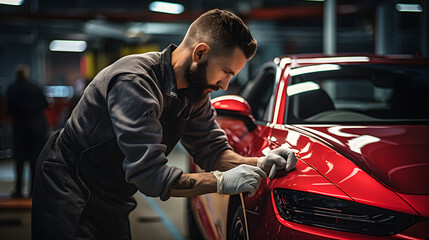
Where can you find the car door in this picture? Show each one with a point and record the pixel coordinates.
(258, 93)
(248, 137)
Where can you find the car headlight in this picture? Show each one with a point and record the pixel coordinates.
(338, 214)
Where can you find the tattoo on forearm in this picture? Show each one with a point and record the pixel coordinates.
(184, 182)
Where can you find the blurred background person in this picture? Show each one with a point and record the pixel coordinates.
(25, 103)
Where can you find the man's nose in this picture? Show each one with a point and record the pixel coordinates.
(223, 84)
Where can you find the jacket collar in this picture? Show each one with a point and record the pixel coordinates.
(176, 100)
(168, 80)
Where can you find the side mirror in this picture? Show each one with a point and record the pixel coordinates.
(235, 106)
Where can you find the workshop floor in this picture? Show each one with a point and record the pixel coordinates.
(152, 219)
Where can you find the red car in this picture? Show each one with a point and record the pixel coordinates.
(360, 128)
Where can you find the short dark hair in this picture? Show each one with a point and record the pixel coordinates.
(223, 29)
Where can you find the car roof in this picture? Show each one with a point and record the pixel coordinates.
(312, 59)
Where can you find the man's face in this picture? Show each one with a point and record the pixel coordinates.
(213, 73)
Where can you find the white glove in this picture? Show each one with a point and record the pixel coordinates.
(283, 157)
(243, 178)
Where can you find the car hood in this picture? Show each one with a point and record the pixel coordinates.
(395, 155)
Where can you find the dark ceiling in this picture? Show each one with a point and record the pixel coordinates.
(53, 16)
(113, 19)
(134, 10)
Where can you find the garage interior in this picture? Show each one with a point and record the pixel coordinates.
(105, 30)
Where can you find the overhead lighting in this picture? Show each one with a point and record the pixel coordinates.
(60, 91)
(406, 7)
(12, 2)
(67, 46)
(166, 7)
(158, 28)
(105, 29)
(302, 87)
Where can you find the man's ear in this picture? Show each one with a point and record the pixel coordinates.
(200, 51)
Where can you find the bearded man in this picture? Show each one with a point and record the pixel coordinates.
(128, 120)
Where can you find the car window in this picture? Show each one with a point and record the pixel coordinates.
(259, 93)
(378, 93)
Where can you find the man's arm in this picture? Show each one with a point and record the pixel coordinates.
(238, 174)
(229, 159)
(193, 184)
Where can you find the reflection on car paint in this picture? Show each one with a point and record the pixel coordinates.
(357, 143)
(355, 171)
(292, 138)
(349, 155)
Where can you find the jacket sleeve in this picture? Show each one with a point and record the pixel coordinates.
(203, 138)
(134, 106)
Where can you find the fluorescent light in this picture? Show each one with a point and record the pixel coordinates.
(166, 7)
(315, 68)
(158, 28)
(302, 87)
(12, 2)
(60, 91)
(67, 46)
(406, 7)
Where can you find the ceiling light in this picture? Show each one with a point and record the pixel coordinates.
(12, 2)
(67, 46)
(166, 7)
(405, 7)
(60, 91)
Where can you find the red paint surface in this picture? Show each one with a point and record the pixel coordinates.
(382, 166)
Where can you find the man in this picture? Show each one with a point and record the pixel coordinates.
(129, 118)
(26, 104)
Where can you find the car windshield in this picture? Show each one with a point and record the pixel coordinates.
(374, 93)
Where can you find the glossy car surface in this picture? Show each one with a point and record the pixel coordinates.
(360, 128)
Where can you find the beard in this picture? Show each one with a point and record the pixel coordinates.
(197, 84)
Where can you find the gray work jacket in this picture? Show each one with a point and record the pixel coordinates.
(129, 118)
(115, 143)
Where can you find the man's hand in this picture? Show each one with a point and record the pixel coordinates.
(283, 157)
(243, 178)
